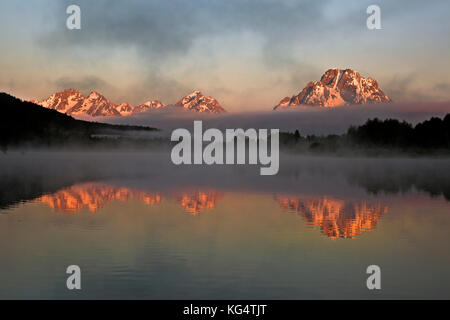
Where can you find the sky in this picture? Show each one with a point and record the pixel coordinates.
(247, 54)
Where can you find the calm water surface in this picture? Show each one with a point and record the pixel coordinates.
(141, 228)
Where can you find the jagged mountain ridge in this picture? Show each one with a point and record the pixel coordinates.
(198, 102)
(73, 102)
(96, 105)
(337, 87)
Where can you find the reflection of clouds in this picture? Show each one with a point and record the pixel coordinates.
(336, 218)
(95, 196)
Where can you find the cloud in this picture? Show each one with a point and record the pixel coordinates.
(411, 88)
(84, 84)
(309, 120)
(163, 34)
(442, 88)
(162, 29)
(249, 52)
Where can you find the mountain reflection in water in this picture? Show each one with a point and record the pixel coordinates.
(142, 228)
(336, 218)
(95, 196)
(196, 202)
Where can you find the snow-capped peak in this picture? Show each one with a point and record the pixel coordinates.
(337, 87)
(96, 105)
(72, 102)
(63, 101)
(196, 101)
(149, 105)
(94, 95)
(124, 109)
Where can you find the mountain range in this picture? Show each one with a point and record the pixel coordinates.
(73, 102)
(337, 87)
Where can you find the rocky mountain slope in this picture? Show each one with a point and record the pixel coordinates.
(337, 87)
(198, 102)
(72, 102)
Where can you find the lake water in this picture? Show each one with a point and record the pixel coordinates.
(141, 228)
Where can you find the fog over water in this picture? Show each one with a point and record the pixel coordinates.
(309, 120)
(111, 200)
(29, 174)
(142, 228)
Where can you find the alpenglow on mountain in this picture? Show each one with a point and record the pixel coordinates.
(73, 102)
(198, 102)
(337, 87)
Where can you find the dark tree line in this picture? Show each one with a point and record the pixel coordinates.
(376, 136)
(24, 122)
(429, 134)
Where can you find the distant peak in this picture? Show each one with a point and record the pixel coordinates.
(196, 101)
(153, 102)
(68, 92)
(72, 102)
(94, 93)
(195, 93)
(338, 87)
